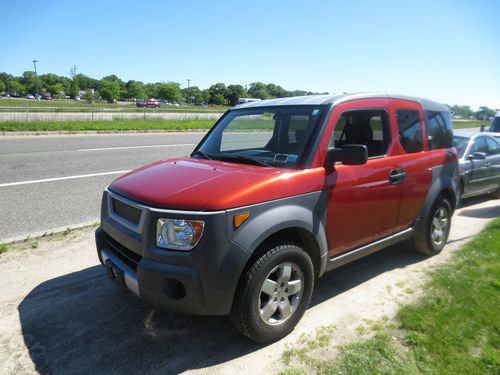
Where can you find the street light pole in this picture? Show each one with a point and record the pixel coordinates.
(189, 92)
(36, 79)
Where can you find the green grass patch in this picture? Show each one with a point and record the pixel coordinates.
(470, 124)
(139, 125)
(3, 248)
(453, 329)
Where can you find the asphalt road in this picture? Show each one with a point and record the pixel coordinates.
(51, 182)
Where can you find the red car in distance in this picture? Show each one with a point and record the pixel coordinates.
(154, 103)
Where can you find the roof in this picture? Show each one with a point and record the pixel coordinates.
(338, 99)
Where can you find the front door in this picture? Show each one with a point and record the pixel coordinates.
(363, 199)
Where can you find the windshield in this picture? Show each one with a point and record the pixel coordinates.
(460, 144)
(274, 136)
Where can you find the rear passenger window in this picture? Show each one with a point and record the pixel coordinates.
(410, 130)
(439, 131)
(369, 127)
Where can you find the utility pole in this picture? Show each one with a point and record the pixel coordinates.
(36, 79)
(188, 91)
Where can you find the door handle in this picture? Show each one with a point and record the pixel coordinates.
(396, 176)
(487, 164)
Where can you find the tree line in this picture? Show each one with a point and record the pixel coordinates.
(113, 88)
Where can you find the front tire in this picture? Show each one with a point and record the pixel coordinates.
(436, 229)
(273, 294)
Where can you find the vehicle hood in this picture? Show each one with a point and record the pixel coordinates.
(200, 184)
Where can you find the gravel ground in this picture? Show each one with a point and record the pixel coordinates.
(59, 314)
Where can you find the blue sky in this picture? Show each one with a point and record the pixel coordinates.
(443, 50)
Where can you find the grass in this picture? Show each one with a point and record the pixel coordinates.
(4, 248)
(470, 124)
(136, 125)
(453, 329)
(122, 124)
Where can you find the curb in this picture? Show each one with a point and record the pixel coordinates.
(39, 234)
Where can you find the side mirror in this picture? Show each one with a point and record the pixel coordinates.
(348, 155)
(477, 156)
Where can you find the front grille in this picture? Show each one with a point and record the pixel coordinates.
(127, 256)
(126, 211)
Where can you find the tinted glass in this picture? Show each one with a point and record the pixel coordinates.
(495, 125)
(493, 146)
(480, 145)
(365, 127)
(276, 136)
(410, 130)
(461, 144)
(439, 130)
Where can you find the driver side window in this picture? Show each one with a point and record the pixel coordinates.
(368, 127)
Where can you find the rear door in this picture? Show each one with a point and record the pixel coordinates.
(413, 158)
(363, 202)
(493, 163)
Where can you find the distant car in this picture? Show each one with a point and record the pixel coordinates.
(111, 101)
(154, 103)
(479, 163)
(30, 97)
(47, 96)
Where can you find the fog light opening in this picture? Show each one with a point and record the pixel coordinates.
(174, 289)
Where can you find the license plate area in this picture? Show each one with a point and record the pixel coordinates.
(116, 275)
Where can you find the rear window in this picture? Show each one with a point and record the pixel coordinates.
(439, 130)
(410, 130)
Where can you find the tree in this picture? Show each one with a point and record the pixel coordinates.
(234, 93)
(258, 90)
(135, 90)
(3, 87)
(170, 91)
(462, 110)
(56, 89)
(110, 90)
(30, 81)
(17, 88)
(194, 95)
(276, 91)
(484, 113)
(151, 90)
(89, 95)
(74, 88)
(218, 94)
(85, 82)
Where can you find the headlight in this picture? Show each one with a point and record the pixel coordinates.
(178, 234)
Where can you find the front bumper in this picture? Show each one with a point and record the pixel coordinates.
(198, 282)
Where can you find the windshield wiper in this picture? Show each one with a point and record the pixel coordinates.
(202, 153)
(245, 159)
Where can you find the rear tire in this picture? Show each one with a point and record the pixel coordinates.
(273, 294)
(436, 229)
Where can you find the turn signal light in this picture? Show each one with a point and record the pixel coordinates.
(240, 219)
